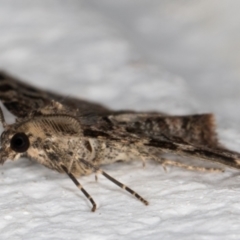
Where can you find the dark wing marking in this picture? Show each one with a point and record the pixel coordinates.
(180, 147)
(20, 98)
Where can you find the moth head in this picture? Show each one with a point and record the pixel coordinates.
(27, 137)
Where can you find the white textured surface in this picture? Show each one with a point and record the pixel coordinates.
(115, 53)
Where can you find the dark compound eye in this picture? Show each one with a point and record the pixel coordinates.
(20, 142)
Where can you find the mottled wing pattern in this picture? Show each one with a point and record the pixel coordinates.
(21, 99)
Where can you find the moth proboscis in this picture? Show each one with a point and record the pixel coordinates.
(77, 137)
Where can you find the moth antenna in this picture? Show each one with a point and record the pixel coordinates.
(2, 119)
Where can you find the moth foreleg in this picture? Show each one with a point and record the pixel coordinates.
(80, 187)
(121, 185)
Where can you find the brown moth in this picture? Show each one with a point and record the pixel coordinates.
(77, 137)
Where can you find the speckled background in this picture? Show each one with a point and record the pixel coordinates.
(177, 56)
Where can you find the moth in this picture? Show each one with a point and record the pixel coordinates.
(77, 137)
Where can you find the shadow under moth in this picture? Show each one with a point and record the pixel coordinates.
(77, 137)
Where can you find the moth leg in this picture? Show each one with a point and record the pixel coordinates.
(96, 176)
(88, 196)
(70, 165)
(143, 158)
(121, 185)
(166, 162)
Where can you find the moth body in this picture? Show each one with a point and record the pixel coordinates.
(76, 137)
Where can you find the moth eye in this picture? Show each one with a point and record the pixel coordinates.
(20, 142)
